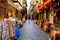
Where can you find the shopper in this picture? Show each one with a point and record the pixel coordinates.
(17, 31)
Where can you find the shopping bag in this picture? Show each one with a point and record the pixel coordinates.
(17, 31)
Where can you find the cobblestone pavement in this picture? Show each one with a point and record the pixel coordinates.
(30, 31)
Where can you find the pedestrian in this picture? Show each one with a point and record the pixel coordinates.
(17, 31)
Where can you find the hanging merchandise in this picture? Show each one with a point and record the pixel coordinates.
(0, 30)
(5, 31)
(17, 31)
(14, 28)
(10, 28)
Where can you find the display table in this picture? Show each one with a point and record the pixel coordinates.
(54, 34)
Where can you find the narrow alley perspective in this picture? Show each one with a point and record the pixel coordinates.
(29, 19)
(30, 31)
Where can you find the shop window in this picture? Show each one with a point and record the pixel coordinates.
(58, 15)
(54, 0)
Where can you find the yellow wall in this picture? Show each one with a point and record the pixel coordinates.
(45, 14)
(51, 15)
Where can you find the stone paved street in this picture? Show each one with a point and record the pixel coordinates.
(30, 31)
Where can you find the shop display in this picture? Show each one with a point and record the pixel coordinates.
(8, 29)
(11, 28)
(0, 30)
(14, 28)
(5, 31)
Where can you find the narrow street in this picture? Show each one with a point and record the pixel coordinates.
(29, 19)
(30, 31)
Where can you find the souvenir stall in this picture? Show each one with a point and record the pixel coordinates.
(8, 21)
(8, 28)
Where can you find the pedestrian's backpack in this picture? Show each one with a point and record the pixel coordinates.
(17, 31)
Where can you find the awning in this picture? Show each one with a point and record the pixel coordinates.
(13, 5)
(43, 6)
